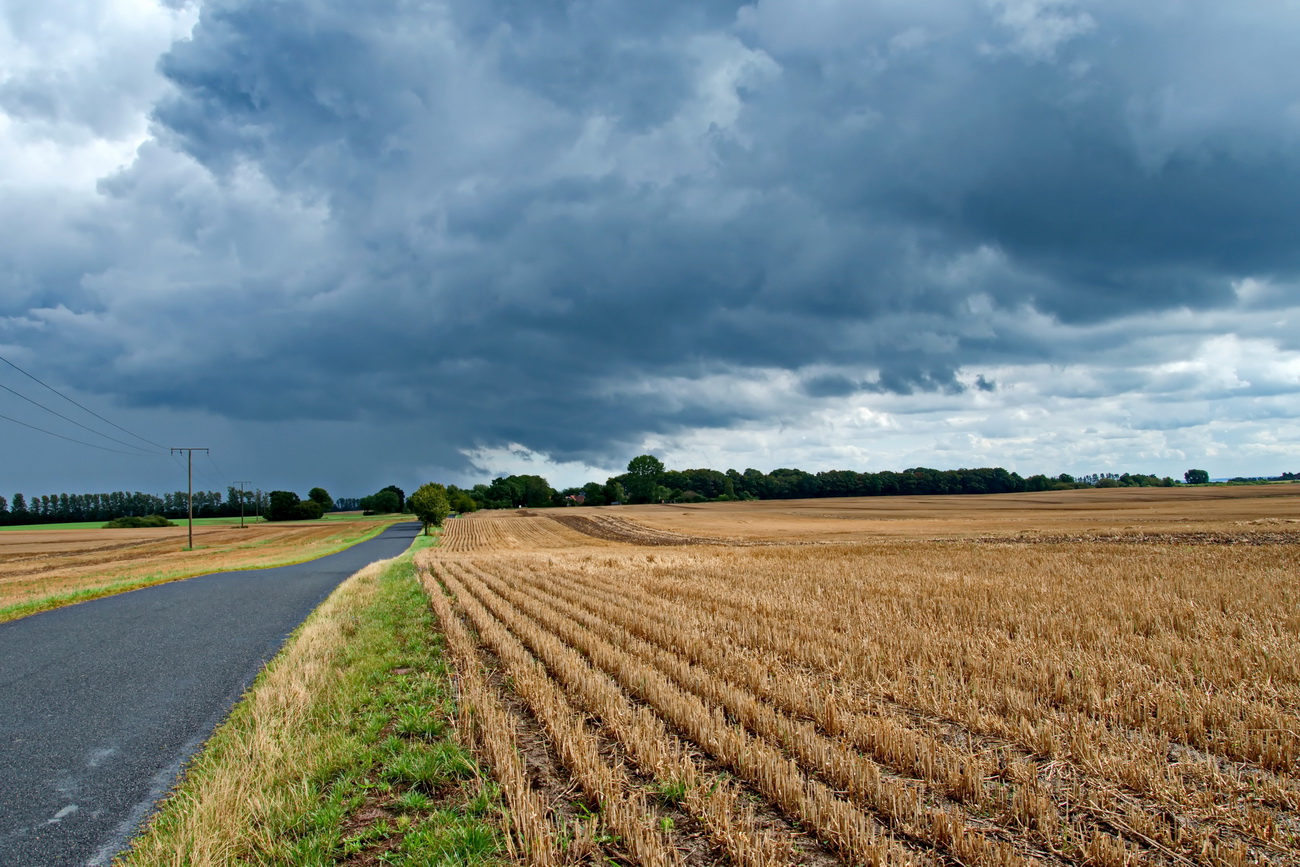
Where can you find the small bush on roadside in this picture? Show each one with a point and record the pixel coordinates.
(134, 522)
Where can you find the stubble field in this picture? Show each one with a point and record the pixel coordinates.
(41, 569)
(1090, 678)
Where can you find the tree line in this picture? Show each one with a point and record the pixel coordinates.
(67, 508)
(272, 505)
(647, 480)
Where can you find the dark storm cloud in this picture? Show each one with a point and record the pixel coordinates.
(503, 217)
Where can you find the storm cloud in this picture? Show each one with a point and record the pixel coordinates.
(1040, 233)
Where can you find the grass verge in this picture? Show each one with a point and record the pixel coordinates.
(340, 753)
(135, 582)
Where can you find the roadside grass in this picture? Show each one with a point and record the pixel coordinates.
(60, 599)
(341, 752)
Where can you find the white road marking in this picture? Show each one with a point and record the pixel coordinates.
(63, 814)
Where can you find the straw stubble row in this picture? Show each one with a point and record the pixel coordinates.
(994, 706)
(712, 798)
(491, 730)
(975, 774)
(860, 837)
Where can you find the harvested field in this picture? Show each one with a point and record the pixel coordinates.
(70, 565)
(1087, 512)
(1098, 698)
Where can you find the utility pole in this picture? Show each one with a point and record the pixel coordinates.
(191, 450)
(241, 503)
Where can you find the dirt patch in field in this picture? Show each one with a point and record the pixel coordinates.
(614, 529)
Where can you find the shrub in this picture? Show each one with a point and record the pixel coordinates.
(134, 522)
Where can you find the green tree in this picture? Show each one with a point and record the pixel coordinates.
(429, 503)
(537, 492)
(594, 494)
(460, 501)
(643, 473)
(287, 506)
(309, 510)
(320, 495)
(401, 497)
(283, 506)
(381, 503)
(1196, 477)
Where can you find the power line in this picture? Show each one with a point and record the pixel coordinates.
(181, 464)
(79, 406)
(177, 461)
(217, 467)
(73, 420)
(79, 442)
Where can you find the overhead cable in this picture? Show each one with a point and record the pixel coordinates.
(40, 405)
(79, 442)
(79, 406)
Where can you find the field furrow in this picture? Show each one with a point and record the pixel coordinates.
(624, 808)
(1035, 698)
(911, 807)
(715, 799)
(491, 730)
(753, 758)
(992, 776)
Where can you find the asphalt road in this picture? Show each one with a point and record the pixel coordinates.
(101, 703)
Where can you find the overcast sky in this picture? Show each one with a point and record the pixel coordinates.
(351, 244)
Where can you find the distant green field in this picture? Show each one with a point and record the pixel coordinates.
(94, 525)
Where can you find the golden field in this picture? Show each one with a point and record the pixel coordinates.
(1094, 678)
(42, 569)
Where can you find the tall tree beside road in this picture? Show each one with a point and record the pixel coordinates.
(429, 503)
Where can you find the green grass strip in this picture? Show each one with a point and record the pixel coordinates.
(341, 751)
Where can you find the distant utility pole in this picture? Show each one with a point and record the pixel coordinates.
(241, 503)
(191, 450)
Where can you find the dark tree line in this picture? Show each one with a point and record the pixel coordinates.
(67, 508)
(649, 481)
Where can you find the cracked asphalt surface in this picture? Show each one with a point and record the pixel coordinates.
(101, 703)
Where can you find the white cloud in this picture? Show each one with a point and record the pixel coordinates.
(514, 459)
(77, 82)
(1222, 396)
(1040, 27)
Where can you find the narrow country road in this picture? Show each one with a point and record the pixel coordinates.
(102, 702)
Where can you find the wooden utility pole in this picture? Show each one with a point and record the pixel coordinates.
(241, 503)
(191, 450)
